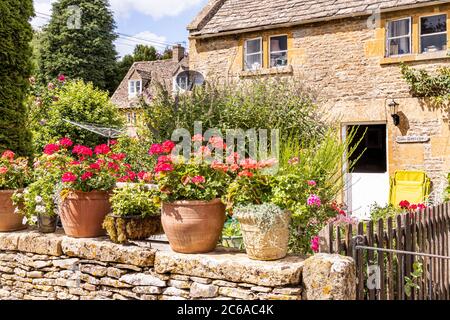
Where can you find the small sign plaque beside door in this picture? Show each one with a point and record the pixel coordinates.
(413, 139)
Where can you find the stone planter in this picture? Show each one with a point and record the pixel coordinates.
(47, 224)
(266, 245)
(82, 213)
(9, 221)
(121, 229)
(193, 226)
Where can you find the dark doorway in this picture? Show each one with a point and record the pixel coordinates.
(374, 159)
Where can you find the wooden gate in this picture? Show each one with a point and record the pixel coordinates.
(392, 252)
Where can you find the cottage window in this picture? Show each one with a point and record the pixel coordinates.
(131, 117)
(433, 33)
(134, 87)
(278, 51)
(399, 37)
(253, 54)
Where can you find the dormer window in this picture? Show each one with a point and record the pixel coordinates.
(134, 88)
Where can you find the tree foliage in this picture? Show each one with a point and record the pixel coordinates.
(278, 104)
(85, 51)
(75, 101)
(15, 65)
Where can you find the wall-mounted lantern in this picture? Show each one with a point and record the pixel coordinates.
(393, 107)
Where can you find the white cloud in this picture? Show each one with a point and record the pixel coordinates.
(153, 8)
(43, 9)
(126, 46)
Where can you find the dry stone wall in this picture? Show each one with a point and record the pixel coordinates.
(55, 267)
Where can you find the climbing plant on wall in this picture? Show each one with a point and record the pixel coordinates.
(433, 85)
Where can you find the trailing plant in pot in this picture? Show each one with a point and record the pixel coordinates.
(136, 213)
(88, 176)
(193, 214)
(264, 225)
(14, 175)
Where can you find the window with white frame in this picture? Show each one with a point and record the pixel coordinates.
(253, 55)
(433, 33)
(278, 51)
(134, 87)
(399, 37)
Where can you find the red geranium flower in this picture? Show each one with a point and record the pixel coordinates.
(82, 151)
(66, 142)
(155, 149)
(404, 204)
(94, 166)
(87, 176)
(164, 159)
(113, 142)
(51, 149)
(163, 167)
(3, 170)
(413, 207)
(102, 149)
(421, 206)
(118, 156)
(8, 154)
(113, 166)
(75, 163)
(245, 173)
(168, 146)
(61, 78)
(198, 180)
(69, 177)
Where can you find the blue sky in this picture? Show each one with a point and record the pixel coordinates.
(163, 21)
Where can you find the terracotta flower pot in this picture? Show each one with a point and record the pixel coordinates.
(193, 226)
(82, 213)
(9, 221)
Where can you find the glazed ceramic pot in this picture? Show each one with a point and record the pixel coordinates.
(82, 213)
(9, 220)
(193, 226)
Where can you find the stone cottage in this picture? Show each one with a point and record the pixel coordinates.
(351, 51)
(137, 84)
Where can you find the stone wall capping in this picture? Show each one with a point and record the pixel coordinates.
(232, 267)
(97, 269)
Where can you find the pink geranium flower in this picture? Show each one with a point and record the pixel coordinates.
(314, 200)
(9, 155)
(312, 183)
(315, 244)
(198, 180)
(82, 151)
(197, 138)
(155, 149)
(163, 167)
(87, 176)
(3, 170)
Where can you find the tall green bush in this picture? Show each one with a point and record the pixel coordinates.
(15, 69)
(278, 104)
(76, 101)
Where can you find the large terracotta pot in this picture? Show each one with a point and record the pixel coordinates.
(9, 221)
(82, 213)
(193, 226)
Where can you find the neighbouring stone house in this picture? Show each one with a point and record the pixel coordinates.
(137, 84)
(351, 51)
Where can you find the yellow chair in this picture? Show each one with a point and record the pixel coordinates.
(413, 186)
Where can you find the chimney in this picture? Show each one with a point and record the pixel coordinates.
(178, 52)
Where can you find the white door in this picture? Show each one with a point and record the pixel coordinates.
(368, 183)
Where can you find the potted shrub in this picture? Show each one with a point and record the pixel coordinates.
(232, 235)
(136, 213)
(14, 175)
(88, 176)
(193, 214)
(264, 225)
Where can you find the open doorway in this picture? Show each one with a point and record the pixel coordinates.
(368, 183)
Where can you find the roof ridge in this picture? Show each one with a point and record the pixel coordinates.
(208, 11)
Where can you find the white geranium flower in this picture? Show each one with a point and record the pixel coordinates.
(24, 220)
(38, 199)
(40, 209)
(26, 191)
(16, 210)
(34, 219)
